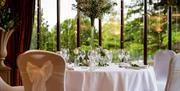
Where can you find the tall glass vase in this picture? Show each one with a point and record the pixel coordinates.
(4, 37)
(92, 37)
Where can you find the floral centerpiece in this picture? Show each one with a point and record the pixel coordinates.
(102, 53)
(8, 21)
(80, 57)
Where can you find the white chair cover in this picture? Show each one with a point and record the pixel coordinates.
(39, 76)
(41, 70)
(6, 87)
(173, 83)
(162, 59)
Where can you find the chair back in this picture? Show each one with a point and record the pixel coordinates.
(41, 70)
(162, 59)
(6, 87)
(173, 83)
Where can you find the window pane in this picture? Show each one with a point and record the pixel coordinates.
(133, 32)
(48, 19)
(176, 29)
(68, 24)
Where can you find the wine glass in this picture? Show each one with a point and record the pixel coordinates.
(92, 55)
(121, 55)
(109, 57)
(77, 56)
(81, 57)
(65, 54)
(82, 54)
(126, 56)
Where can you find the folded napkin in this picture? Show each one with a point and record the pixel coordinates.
(122, 64)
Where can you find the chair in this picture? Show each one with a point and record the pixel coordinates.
(173, 83)
(162, 59)
(41, 70)
(6, 87)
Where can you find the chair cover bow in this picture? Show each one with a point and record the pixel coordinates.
(39, 75)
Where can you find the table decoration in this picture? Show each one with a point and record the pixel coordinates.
(105, 56)
(8, 23)
(80, 57)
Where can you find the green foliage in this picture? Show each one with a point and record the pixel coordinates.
(135, 50)
(134, 27)
(168, 3)
(2, 3)
(8, 19)
(34, 37)
(85, 34)
(133, 33)
(47, 38)
(68, 34)
(94, 8)
(136, 7)
(175, 38)
(111, 35)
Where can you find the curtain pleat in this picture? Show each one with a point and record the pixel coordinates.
(20, 40)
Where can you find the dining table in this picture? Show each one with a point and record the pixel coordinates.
(110, 78)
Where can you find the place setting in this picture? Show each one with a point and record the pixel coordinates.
(125, 62)
(101, 59)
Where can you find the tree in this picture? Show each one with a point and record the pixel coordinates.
(111, 35)
(167, 3)
(94, 8)
(156, 18)
(68, 33)
(47, 39)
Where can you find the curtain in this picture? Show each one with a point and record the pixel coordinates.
(19, 41)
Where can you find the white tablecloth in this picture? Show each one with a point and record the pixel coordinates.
(111, 79)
